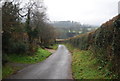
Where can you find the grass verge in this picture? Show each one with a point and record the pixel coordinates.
(8, 70)
(85, 65)
(40, 55)
(55, 46)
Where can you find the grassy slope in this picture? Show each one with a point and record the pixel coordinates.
(40, 55)
(85, 66)
(8, 70)
(55, 46)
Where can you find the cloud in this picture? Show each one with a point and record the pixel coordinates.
(94, 12)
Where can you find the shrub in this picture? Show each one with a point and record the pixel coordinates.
(4, 59)
(18, 47)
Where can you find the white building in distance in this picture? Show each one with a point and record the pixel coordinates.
(119, 7)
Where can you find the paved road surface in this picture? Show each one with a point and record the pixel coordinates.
(57, 66)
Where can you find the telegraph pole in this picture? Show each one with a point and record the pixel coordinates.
(118, 7)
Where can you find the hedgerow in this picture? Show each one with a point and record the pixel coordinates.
(104, 43)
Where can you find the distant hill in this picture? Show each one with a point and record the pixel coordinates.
(65, 24)
(69, 24)
(71, 28)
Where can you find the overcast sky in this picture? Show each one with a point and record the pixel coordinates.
(93, 12)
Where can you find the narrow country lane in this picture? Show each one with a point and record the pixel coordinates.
(57, 66)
